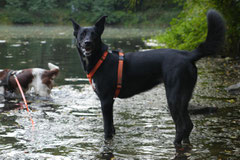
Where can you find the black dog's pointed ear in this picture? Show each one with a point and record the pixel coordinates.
(100, 24)
(75, 27)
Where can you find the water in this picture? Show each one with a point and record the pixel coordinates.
(70, 125)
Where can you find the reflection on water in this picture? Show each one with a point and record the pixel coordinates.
(33, 52)
(70, 125)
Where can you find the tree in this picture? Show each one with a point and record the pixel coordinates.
(88, 11)
(24, 11)
(231, 10)
(2, 3)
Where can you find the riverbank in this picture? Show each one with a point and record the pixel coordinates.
(51, 31)
(157, 15)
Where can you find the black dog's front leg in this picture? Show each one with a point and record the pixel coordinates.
(107, 111)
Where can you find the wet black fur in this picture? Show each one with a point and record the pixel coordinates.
(144, 70)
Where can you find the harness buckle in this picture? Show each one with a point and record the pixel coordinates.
(121, 58)
(119, 86)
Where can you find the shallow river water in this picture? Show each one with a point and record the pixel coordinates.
(70, 125)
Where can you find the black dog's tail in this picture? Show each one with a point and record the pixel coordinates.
(215, 37)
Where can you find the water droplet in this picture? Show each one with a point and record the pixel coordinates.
(15, 45)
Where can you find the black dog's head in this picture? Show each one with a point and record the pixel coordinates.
(89, 38)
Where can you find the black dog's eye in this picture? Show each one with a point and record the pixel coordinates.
(94, 34)
(83, 34)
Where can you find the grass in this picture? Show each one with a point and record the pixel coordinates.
(8, 32)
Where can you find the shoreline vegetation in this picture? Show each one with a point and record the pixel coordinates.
(135, 13)
(11, 32)
(183, 21)
(189, 29)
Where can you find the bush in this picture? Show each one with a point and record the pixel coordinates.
(124, 12)
(4, 18)
(190, 28)
(186, 31)
(20, 17)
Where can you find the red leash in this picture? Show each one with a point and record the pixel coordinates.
(24, 99)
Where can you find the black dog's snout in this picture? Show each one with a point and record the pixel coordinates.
(88, 43)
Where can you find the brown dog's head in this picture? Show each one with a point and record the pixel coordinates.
(3, 77)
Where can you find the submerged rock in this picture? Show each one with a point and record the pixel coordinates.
(235, 88)
(198, 109)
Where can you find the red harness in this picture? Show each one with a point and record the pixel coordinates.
(120, 70)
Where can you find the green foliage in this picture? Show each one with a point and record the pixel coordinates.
(190, 27)
(21, 17)
(28, 12)
(119, 12)
(231, 10)
(4, 18)
(90, 11)
(188, 30)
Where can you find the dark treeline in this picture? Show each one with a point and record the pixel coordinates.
(186, 29)
(119, 12)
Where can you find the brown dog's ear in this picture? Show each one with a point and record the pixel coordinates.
(100, 24)
(75, 27)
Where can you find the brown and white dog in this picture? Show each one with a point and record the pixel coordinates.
(41, 80)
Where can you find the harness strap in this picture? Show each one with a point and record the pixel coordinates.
(95, 68)
(120, 70)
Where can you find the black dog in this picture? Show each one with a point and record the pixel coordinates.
(144, 70)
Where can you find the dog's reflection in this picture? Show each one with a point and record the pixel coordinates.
(182, 153)
(106, 151)
(7, 106)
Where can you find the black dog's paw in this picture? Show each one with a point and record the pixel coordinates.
(186, 142)
(106, 150)
(177, 145)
